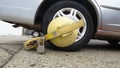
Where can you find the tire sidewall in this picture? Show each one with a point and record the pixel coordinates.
(63, 4)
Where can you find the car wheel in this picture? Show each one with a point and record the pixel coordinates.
(75, 11)
(113, 42)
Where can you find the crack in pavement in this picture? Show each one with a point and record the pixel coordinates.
(9, 58)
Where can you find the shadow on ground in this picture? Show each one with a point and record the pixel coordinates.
(97, 45)
(103, 47)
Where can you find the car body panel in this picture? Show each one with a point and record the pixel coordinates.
(19, 11)
(110, 15)
(24, 12)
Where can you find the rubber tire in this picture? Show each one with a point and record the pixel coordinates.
(62, 4)
(113, 42)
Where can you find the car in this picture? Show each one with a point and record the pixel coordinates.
(101, 17)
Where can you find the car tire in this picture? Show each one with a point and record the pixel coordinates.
(50, 13)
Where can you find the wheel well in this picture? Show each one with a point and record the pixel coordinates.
(47, 3)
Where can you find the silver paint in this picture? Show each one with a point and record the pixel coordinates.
(19, 11)
(24, 11)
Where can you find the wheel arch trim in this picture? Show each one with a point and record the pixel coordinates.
(94, 3)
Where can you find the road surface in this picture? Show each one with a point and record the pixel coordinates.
(97, 54)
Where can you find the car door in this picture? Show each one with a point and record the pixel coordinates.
(19, 11)
(110, 15)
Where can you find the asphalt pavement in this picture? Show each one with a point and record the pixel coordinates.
(97, 54)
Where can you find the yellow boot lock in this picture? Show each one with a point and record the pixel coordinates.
(61, 31)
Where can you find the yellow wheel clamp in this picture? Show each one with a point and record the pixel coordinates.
(66, 28)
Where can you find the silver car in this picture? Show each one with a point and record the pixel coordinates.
(101, 17)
